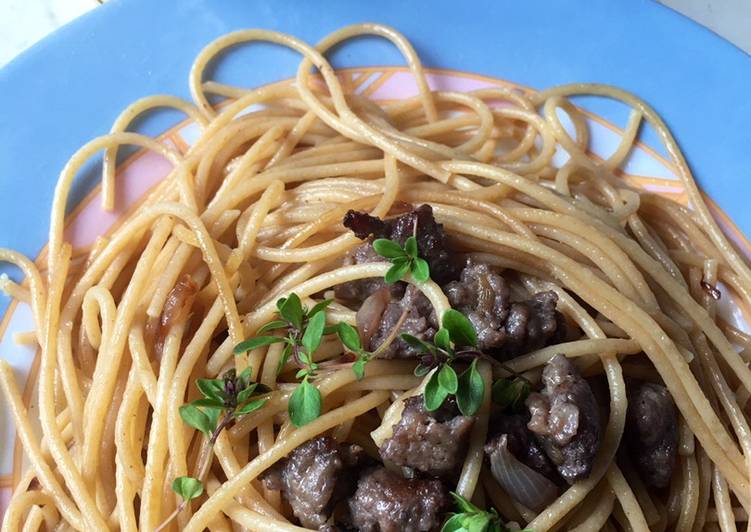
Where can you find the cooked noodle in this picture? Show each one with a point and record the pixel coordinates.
(252, 212)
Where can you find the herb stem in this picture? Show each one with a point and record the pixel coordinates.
(204, 465)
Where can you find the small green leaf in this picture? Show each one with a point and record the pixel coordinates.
(245, 394)
(291, 310)
(302, 373)
(255, 343)
(273, 325)
(187, 487)
(311, 339)
(460, 328)
(358, 367)
(349, 336)
(421, 370)
(417, 343)
(250, 407)
(196, 419)
(280, 303)
(318, 307)
(396, 272)
(447, 379)
(213, 413)
(442, 339)
(388, 248)
(410, 247)
(304, 357)
(304, 404)
(435, 394)
(511, 393)
(284, 358)
(471, 390)
(478, 522)
(420, 270)
(244, 378)
(209, 403)
(454, 524)
(211, 388)
(464, 505)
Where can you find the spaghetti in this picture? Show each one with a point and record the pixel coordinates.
(252, 213)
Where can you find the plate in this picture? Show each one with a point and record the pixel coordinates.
(70, 87)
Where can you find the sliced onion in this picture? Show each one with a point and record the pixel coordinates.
(369, 316)
(521, 482)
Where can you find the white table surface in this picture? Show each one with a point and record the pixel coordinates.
(24, 22)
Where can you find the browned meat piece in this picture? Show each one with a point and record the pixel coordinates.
(432, 442)
(419, 321)
(386, 502)
(431, 243)
(522, 444)
(566, 420)
(360, 289)
(652, 432)
(504, 328)
(315, 476)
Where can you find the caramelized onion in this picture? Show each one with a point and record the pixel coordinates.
(522, 483)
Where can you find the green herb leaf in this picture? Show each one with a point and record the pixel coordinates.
(187, 487)
(417, 343)
(302, 373)
(464, 505)
(511, 393)
(447, 379)
(388, 248)
(349, 336)
(442, 339)
(250, 407)
(213, 413)
(396, 272)
(209, 403)
(304, 404)
(358, 367)
(244, 378)
(478, 522)
(291, 310)
(212, 388)
(434, 393)
(311, 338)
(318, 307)
(410, 247)
(420, 270)
(471, 390)
(273, 325)
(460, 328)
(421, 370)
(245, 394)
(284, 358)
(454, 524)
(255, 343)
(197, 419)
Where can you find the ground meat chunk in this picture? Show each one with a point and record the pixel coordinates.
(652, 432)
(432, 242)
(419, 321)
(362, 288)
(565, 419)
(522, 444)
(431, 442)
(386, 502)
(315, 476)
(504, 328)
